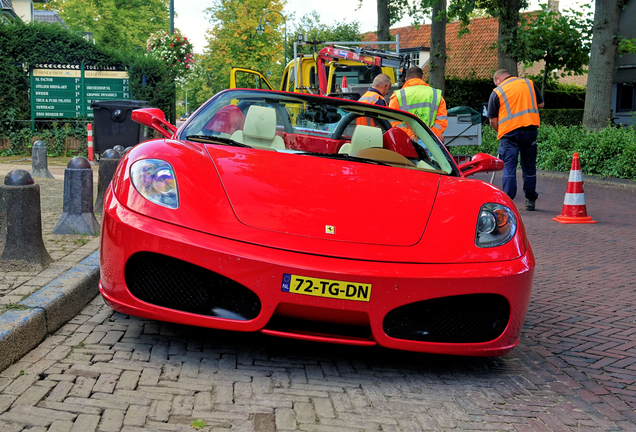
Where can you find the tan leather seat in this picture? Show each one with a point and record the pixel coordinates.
(260, 129)
(363, 137)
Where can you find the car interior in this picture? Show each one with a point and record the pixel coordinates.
(317, 129)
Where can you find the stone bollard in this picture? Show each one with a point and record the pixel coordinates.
(78, 216)
(127, 149)
(119, 149)
(107, 166)
(39, 163)
(21, 232)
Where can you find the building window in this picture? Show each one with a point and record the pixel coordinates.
(415, 58)
(626, 97)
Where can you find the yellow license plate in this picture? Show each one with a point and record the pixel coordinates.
(326, 288)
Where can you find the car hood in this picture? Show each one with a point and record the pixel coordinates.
(324, 198)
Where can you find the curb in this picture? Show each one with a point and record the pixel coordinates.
(623, 183)
(48, 310)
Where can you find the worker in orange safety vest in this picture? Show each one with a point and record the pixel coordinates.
(375, 96)
(423, 101)
(513, 111)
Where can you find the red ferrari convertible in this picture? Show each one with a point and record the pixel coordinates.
(318, 219)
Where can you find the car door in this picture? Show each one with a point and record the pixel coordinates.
(248, 78)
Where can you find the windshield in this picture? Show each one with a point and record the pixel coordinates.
(320, 127)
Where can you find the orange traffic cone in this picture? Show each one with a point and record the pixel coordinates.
(344, 86)
(574, 210)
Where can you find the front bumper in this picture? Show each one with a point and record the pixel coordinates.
(261, 269)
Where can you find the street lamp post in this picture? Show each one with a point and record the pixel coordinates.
(171, 16)
(267, 71)
(186, 102)
(174, 104)
(260, 29)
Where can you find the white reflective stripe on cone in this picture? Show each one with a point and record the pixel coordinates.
(574, 199)
(575, 176)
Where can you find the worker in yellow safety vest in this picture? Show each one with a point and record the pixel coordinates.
(513, 111)
(375, 96)
(421, 100)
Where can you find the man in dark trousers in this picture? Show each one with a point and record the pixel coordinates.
(513, 111)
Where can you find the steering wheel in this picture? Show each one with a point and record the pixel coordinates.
(338, 131)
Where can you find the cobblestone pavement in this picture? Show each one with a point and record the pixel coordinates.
(574, 369)
(65, 250)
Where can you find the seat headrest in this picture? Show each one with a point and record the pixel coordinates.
(260, 122)
(365, 137)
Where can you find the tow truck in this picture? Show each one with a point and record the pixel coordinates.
(322, 73)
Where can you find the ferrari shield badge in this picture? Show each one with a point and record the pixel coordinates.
(330, 229)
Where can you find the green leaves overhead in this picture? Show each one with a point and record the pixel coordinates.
(233, 40)
(311, 27)
(119, 24)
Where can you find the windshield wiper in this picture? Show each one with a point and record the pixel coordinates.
(346, 157)
(215, 139)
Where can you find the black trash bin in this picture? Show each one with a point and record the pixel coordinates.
(113, 125)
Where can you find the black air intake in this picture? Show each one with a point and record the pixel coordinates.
(466, 318)
(169, 282)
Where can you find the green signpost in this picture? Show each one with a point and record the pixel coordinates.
(66, 91)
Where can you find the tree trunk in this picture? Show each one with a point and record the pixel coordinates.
(438, 45)
(384, 22)
(546, 68)
(508, 22)
(598, 97)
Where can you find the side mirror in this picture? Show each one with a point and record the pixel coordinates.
(481, 162)
(154, 118)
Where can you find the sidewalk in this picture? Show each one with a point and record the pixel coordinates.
(35, 304)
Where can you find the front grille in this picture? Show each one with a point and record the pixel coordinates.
(466, 318)
(169, 282)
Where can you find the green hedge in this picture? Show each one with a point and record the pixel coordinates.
(565, 99)
(467, 92)
(472, 92)
(610, 152)
(561, 117)
(26, 45)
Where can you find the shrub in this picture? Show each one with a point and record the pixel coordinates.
(561, 99)
(610, 152)
(467, 92)
(26, 45)
(474, 91)
(561, 117)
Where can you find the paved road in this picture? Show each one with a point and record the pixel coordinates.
(574, 369)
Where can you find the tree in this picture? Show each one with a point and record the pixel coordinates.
(119, 24)
(560, 40)
(311, 27)
(384, 21)
(438, 45)
(508, 13)
(389, 12)
(233, 40)
(602, 58)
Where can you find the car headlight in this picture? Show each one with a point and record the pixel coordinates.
(154, 179)
(496, 225)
